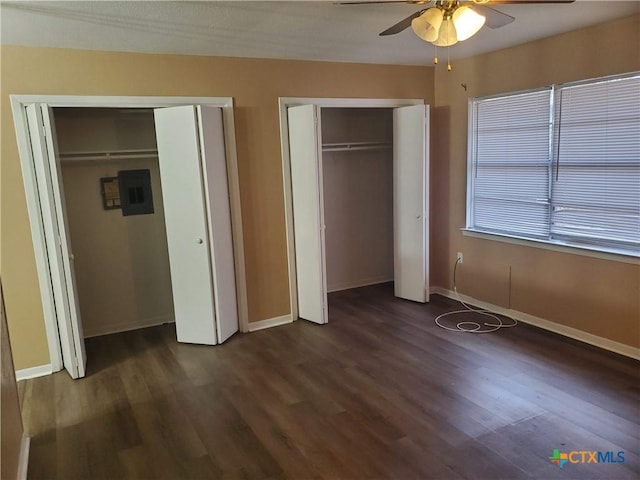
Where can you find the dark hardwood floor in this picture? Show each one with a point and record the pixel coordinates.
(379, 392)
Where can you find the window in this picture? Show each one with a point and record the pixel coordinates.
(559, 165)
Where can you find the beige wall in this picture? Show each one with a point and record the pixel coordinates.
(254, 84)
(597, 296)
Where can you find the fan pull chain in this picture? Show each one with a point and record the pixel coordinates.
(435, 58)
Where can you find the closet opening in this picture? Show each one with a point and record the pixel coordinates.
(121, 259)
(192, 141)
(357, 190)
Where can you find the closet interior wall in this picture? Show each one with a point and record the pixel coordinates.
(357, 167)
(121, 262)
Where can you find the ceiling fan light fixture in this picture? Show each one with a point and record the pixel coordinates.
(427, 25)
(447, 35)
(467, 22)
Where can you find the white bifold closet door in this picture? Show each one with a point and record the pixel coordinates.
(197, 213)
(410, 206)
(66, 309)
(410, 202)
(308, 212)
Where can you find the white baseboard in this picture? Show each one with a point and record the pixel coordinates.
(358, 283)
(126, 326)
(270, 322)
(34, 372)
(23, 461)
(591, 339)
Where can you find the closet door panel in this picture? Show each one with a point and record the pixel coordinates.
(410, 209)
(219, 219)
(186, 224)
(60, 258)
(306, 179)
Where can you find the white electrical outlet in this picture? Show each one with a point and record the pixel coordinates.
(459, 258)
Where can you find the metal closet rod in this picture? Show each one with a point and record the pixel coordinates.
(340, 147)
(108, 155)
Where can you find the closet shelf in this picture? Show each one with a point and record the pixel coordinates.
(107, 155)
(344, 147)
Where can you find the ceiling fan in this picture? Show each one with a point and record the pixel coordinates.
(447, 22)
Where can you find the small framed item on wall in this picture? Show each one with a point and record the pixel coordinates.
(110, 189)
(135, 192)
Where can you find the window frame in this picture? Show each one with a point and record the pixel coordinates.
(628, 256)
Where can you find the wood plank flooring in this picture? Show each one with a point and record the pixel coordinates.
(379, 392)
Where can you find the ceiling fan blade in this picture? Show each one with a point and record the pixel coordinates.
(401, 25)
(519, 2)
(373, 2)
(423, 2)
(495, 18)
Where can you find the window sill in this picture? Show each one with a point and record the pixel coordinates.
(575, 250)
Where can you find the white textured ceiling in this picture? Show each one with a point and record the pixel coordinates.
(293, 30)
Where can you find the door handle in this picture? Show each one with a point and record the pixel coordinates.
(199, 240)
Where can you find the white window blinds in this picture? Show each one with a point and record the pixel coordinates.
(596, 169)
(510, 175)
(559, 165)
